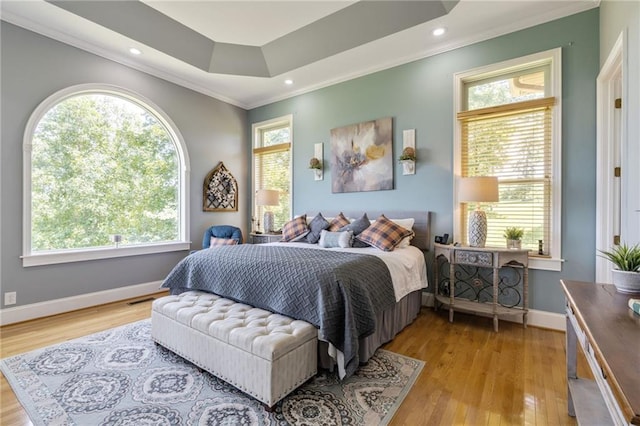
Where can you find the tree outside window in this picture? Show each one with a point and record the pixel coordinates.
(102, 165)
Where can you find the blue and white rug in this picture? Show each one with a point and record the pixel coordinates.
(121, 377)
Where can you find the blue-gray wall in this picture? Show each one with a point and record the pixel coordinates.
(420, 95)
(33, 68)
(417, 95)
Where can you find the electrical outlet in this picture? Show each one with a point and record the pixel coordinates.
(10, 298)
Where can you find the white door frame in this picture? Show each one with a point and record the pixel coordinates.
(610, 134)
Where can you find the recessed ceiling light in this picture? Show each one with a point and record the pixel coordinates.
(288, 82)
(135, 51)
(439, 31)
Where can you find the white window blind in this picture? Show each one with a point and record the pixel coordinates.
(272, 169)
(513, 143)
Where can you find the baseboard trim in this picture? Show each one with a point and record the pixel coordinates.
(536, 318)
(545, 319)
(428, 299)
(67, 304)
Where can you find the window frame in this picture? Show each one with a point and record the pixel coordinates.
(256, 130)
(50, 257)
(553, 58)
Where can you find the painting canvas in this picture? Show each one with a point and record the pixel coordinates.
(361, 156)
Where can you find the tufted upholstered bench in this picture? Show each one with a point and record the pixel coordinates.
(266, 355)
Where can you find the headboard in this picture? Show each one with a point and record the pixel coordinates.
(421, 227)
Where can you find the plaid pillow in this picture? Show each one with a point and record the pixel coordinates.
(216, 242)
(338, 222)
(295, 229)
(384, 234)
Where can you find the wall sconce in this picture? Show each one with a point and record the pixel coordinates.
(408, 156)
(315, 163)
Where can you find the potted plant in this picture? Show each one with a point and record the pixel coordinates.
(408, 160)
(514, 237)
(626, 272)
(316, 166)
(408, 154)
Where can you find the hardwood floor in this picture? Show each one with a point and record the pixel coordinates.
(472, 375)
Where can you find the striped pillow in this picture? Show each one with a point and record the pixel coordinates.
(295, 229)
(216, 242)
(384, 234)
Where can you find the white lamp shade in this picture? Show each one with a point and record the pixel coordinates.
(478, 189)
(267, 197)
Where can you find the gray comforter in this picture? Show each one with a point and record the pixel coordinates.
(338, 292)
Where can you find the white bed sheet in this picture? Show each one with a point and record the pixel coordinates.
(407, 265)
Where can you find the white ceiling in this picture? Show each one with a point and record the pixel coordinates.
(256, 23)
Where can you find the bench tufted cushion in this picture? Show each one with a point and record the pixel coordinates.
(252, 330)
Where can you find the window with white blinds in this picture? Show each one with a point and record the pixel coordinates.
(512, 142)
(272, 166)
(508, 127)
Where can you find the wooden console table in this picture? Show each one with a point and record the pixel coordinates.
(487, 257)
(599, 319)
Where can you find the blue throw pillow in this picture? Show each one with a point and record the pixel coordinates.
(357, 226)
(316, 226)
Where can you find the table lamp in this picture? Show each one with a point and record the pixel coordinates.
(478, 189)
(268, 197)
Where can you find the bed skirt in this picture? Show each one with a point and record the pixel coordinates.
(390, 322)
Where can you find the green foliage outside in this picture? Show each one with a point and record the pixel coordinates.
(524, 184)
(102, 165)
(276, 174)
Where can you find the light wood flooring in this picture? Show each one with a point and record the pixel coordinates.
(472, 375)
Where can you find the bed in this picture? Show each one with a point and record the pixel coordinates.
(358, 298)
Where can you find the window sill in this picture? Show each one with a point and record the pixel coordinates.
(68, 256)
(545, 263)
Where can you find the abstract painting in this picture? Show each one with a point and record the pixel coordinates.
(361, 156)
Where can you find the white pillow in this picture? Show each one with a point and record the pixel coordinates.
(406, 224)
(406, 241)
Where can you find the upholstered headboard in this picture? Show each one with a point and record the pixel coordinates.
(421, 226)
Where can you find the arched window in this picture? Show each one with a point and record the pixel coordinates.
(105, 176)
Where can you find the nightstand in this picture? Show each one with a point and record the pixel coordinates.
(264, 238)
(484, 292)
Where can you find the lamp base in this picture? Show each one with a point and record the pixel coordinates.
(268, 222)
(477, 228)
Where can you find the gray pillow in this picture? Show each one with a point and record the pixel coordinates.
(316, 226)
(357, 226)
(335, 239)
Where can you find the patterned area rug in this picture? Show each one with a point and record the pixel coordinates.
(120, 377)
